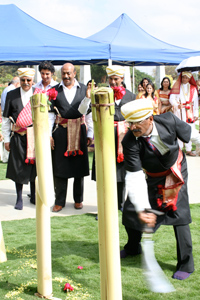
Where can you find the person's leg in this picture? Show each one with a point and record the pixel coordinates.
(120, 194)
(188, 147)
(32, 187)
(19, 202)
(133, 246)
(185, 262)
(60, 185)
(78, 192)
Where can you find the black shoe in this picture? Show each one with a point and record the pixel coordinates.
(32, 201)
(29, 195)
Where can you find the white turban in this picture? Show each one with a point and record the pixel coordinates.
(29, 72)
(137, 110)
(115, 70)
(188, 74)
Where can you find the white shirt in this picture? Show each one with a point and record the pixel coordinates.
(70, 94)
(4, 94)
(39, 85)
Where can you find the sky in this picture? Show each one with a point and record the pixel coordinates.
(176, 22)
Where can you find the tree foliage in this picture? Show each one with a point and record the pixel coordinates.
(7, 73)
(139, 76)
(99, 74)
(170, 70)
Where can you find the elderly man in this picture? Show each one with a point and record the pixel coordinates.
(15, 82)
(47, 70)
(115, 77)
(70, 139)
(184, 99)
(18, 135)
(151, 146)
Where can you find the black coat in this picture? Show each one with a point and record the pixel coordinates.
(72, 166)
(138, 155)
(17, 169)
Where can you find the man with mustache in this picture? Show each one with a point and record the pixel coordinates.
(17, 129)
(69, 139)
(156, 177)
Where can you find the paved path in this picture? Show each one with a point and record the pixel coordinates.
(8, 196)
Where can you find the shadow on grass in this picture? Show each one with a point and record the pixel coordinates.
(7, 287)
(165, 266)
(84, 249)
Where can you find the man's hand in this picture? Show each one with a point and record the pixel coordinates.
(52, 143)
(147, 218)
(89, 141)
(180, 106)
(7, 146)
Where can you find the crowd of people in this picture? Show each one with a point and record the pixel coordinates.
(150, 130)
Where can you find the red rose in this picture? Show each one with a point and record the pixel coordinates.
(52, 93)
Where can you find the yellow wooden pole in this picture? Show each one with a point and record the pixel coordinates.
(3, 256)
(44, 193)
(103, 118)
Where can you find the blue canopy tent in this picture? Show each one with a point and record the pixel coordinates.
(131, 45)
(26, 41)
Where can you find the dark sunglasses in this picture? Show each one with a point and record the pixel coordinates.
(23, 80)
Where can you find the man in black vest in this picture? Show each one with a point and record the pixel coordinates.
(69, 139)
(151, 145)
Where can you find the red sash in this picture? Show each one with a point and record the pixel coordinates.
(73, 134)
(168, 193)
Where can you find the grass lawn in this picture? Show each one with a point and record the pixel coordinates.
(74, 243)
(3, 168)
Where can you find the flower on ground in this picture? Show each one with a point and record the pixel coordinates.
(68, 287)
(80, 267)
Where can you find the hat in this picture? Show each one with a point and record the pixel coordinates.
(29, 72)
(188, 74)
(137, 110)
(115, 70)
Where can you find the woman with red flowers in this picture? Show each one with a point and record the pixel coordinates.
(150, 94)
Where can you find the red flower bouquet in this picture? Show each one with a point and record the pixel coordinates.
(52, 93)
(119, 92)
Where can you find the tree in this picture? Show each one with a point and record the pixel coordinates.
(139, 76)
(98, 73)
(170, 70)
(7, 73)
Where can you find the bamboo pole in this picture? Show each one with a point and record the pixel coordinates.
(44, 194)
(3, 256)
(103, 118)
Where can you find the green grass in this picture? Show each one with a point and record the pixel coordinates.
(3, 168)
(74, 243)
